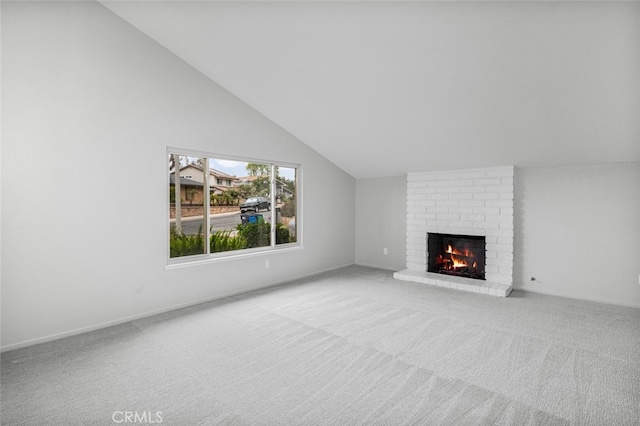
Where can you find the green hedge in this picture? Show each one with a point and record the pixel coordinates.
(248, 236)
(185, 245)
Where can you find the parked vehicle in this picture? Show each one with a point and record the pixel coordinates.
(255, 204)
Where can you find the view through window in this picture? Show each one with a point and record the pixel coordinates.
(249, 205)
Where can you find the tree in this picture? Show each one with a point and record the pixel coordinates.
(190, 195)
(256, 169)
(261, 187)
(226, 199)
(289, 184)
(234, 196)
(245, 191)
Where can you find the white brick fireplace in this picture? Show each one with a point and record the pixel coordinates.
(477, 202)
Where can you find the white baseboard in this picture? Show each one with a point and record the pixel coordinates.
(386, 268)
(573, 296)
(95, 327)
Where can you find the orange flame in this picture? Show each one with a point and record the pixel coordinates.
(458, 262)
(457, 252)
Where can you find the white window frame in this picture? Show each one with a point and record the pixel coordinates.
(207, 257)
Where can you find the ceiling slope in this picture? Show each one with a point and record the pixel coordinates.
(386, 88)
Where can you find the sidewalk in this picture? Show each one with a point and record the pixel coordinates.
(201, 217)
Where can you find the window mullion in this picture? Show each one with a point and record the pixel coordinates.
(274, 217)
(206, 191)
(178, 192)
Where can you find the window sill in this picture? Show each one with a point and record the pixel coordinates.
(184, 262)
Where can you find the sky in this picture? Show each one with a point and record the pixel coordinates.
(238, 168)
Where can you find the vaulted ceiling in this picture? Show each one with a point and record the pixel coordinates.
(386, 88)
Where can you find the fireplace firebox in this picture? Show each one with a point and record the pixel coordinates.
(459, 255)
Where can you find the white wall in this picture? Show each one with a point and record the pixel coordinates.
(578, 231)
(381, 220)
(87, 101)
(589, 214)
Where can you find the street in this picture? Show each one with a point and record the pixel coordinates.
(224, 221)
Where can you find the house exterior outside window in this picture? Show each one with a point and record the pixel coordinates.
(230, 206)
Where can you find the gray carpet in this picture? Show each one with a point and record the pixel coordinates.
(350, 347)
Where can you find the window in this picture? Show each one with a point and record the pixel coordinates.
(255, 210)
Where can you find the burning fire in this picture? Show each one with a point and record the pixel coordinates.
(457, 252)
(458, 262)
(458, 258)
(462, 257)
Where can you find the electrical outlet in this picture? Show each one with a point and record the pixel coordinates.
(385, 251)
(266, 264)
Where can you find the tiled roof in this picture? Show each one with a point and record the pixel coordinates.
(183, 181)
(214, 172)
